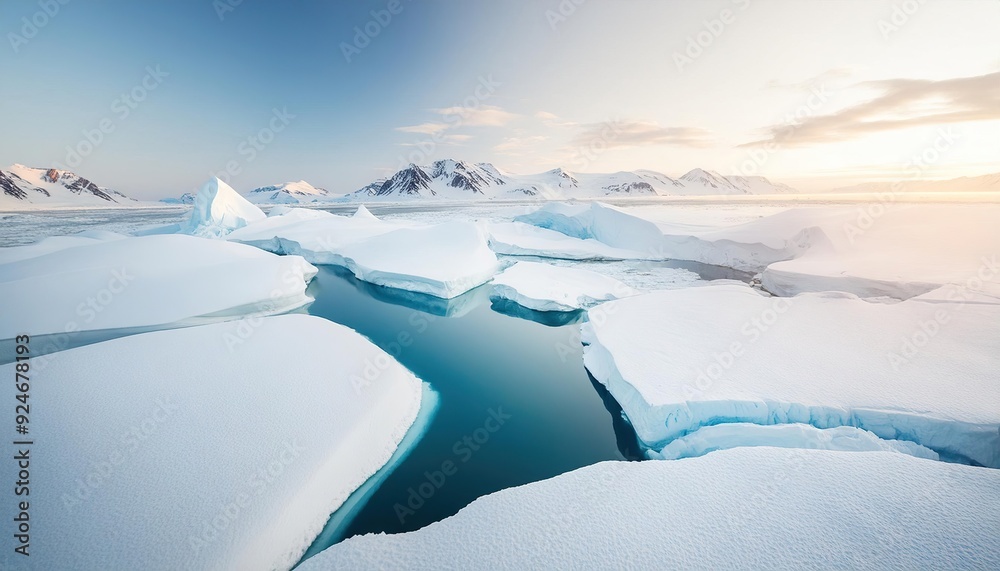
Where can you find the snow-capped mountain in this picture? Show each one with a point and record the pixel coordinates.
(186, 198)
(984, 183)
(462, 180)
(288, 193)
(23, 185)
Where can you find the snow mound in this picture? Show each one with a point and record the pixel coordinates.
(151, 281)
(218, 210)
(922, 371)
(260, 448)
(544, 287)
(737, 434)
(759, 508)
(443, 260)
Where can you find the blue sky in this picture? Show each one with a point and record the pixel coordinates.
(528, 85)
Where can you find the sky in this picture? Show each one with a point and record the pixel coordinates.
(151, 98)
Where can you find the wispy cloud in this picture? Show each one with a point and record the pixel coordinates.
(516, 145)
(424, 128)
(901, 103)
(481, 116)
(639, 133)
(553, 120)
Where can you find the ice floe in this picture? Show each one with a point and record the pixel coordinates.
(544, 287)
(747, 508)
(443, 260)
(142, 282)
(921, 370)
(222, 446)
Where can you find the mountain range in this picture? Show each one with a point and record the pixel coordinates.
(459, 179)
(27, 185)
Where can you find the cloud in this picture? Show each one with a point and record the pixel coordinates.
(515, 145)
(901, 103)
(827, 77)
(424, 128)
(552, 120)
(481, 116)
(639, 133)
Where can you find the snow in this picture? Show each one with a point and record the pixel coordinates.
(55, 244)
(443, 260)
(288, 193)
(922, 370)
(218, 209)
(520, 239)
(52, 188)
(543, 287)
(869, 249)
(602, 222)
(208, 447)
(736, 434)
(152, 281)
(748, 508)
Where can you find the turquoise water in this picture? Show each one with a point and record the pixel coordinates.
(515, 403)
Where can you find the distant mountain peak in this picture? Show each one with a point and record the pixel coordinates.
(53, 186)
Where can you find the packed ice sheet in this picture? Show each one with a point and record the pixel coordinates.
(70, 284)
(223, 446)
(871, 249)
(747, 508)
(921, 370)
(443, 260)
(544, 287)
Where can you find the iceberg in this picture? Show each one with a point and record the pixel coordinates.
(744, 508)
(158, 281)
(544, 287)
(601, 222)
(218, 210)
(921, 370)
(443, 260)
(222, 446)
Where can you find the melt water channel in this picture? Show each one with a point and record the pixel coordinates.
(514, 402)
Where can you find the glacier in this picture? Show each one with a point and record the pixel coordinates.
(746, 508)
(195, 451)
(921, 370)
